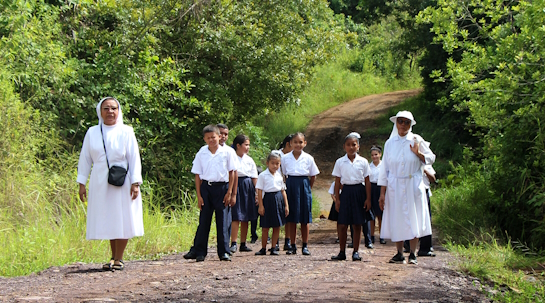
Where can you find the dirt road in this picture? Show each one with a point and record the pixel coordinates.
(284, 278)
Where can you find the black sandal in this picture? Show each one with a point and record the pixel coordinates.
(108, 266)
(119, 266)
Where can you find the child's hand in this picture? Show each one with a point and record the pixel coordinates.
(256, 199)
(200, 202)
(227, 199)
(287, 210)
(367, 204)
(381, 201)
(337, 206)
(233, 200)
(261, 210)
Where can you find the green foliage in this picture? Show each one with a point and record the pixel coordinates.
(498, 82)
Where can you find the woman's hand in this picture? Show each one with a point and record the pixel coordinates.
(381, 201)
(135, 190)
(414, 147)
(82, 193)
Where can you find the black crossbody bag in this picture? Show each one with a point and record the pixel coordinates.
(116, 174)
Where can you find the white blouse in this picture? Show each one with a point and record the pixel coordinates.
(303, 166)
(351, 172)
(214, 167)
(246, 167)
(373, 176)
(269, 183)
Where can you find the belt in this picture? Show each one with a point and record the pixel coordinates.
(213, 183)
(296, 176)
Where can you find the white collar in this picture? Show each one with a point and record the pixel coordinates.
(346, 159)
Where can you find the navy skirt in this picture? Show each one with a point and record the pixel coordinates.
(299, 199)
(333, 213)
(275, 211)
(351, 210)
(375, 194)
(245, 209)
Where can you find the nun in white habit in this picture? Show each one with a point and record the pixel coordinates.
(403, 194)
(113, 212)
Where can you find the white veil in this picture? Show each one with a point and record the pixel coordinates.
(119, 120)
(403, 114)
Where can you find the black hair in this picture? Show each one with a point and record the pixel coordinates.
(377, 148)
(274, 155)
(296, 135)
(222, 126)
(352, 136)
(239, 139)
(210, 129)
(286, 141)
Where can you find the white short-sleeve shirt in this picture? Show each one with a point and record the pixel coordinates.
(270, 183)
(373, 175)
(246, 166)
(303, 166)
(426, 181)
(351, 172)
(214, 167)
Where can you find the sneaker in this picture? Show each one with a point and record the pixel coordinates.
(425, 254)
(233, 248)
(398, 258)
(261, 252)
(243, 247)
(340, 257)
(382, 241)
(305, 251)
(412, 259)
(356, 256)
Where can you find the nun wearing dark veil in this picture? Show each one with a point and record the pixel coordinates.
(113, 212)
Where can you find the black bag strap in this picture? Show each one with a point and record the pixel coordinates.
(105, 152)
(104, 144)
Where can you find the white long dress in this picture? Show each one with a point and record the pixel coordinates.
(406, 214)
(111, 212)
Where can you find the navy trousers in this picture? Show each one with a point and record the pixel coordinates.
(213, 203)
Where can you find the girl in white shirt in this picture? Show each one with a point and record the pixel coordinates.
(352, 172)
(245, 209)
(300, 171)
(376, 154)
(272, 201)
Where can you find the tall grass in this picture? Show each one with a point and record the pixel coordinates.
(332, 84)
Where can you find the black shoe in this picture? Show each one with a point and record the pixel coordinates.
(398, 258)
(190, 255)
(253, 240)
(412, 259)
(261, 252)
(243, 247)
(356, 256)
(382, 241)
(268, 240)
(199, 258)
(350, 245)
(337, 241)
(373, 239)
(293, 250)
(305, 251)
(370, 246)
(287, 247)
(406, 247)
(425, 254)
(274, 252)
(225, 257)
(340, 257)
(233, 248)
